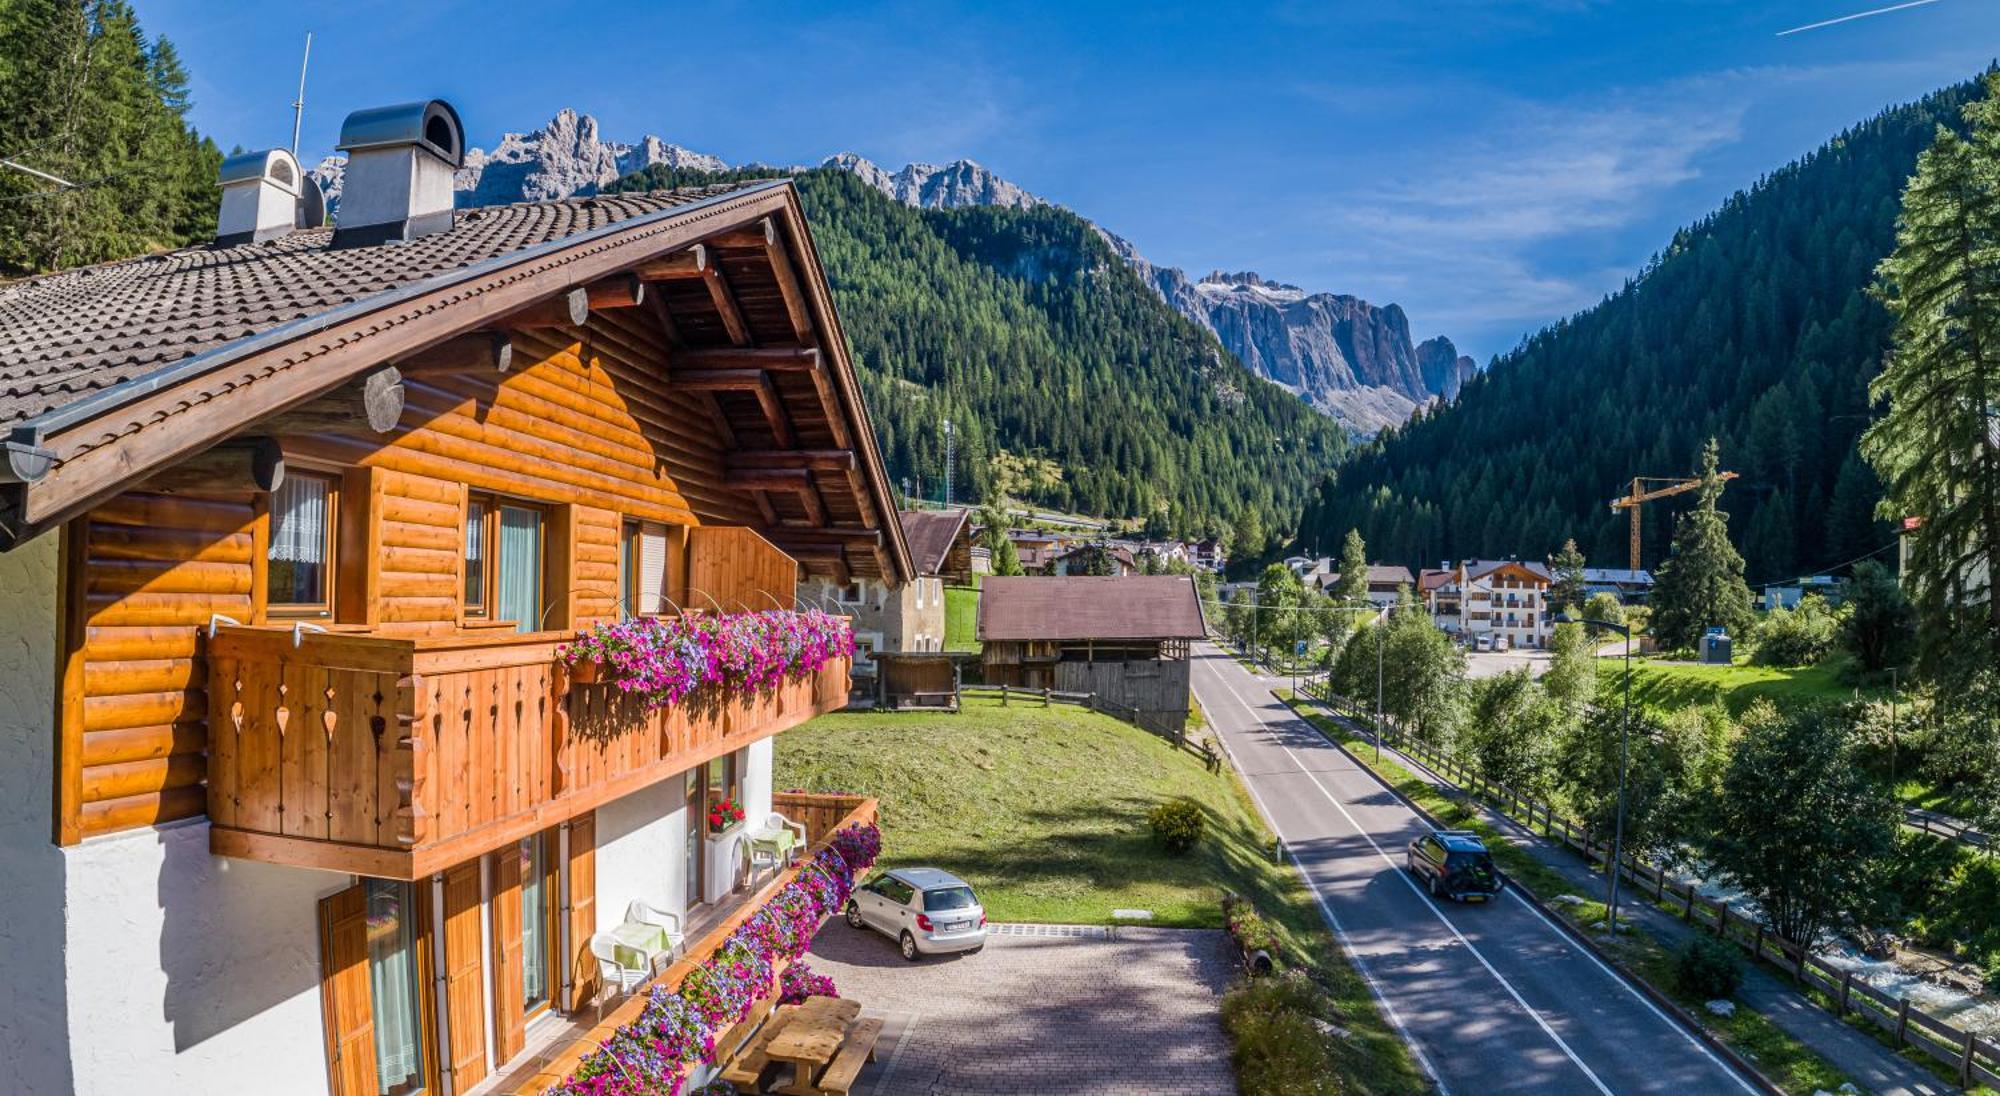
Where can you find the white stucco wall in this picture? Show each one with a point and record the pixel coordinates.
(192, 973)
(34, 1036)
(135, 962)
(641, 852)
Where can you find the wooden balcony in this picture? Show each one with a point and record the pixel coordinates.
(397, 757)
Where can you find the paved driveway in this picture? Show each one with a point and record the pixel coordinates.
(1071, 1010)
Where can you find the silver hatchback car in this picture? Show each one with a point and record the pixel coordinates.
(925, 910)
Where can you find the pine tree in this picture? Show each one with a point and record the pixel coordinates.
(1701, 584)
(1937, 448)
(1353, 585)
(1566, 592)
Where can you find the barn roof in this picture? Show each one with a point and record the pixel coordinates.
(931, 534)
(1090, 607)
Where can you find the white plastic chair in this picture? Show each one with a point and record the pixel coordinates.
(640, 912)
(774, 822)
(615, 973)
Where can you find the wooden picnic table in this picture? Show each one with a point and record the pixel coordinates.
(809, 1040)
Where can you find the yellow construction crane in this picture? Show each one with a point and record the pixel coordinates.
(1674, 486)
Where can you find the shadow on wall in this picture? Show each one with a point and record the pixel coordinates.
(34, 997)
(237, 938)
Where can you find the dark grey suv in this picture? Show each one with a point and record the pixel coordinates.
(1455, 864)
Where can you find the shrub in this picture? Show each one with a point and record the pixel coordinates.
(1604, 605)
(1707, 968)
(1797, 637)
(1252, 932)
(1177, 825)
(1276, 1046)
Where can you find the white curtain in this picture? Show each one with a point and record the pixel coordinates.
(519, 597)
(393, 986)
(298, 539)
(534, 924)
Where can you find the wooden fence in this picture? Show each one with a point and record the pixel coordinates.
(1210, 759)
(1974, 1058)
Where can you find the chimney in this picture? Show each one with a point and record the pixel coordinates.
(260, 196)
(400, 162)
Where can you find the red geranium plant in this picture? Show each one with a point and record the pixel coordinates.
(722, 814)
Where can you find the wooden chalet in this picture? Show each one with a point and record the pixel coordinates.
(308, 514)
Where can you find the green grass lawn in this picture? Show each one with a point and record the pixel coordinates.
(1669, 686)
(961, 617)
(1043, 810)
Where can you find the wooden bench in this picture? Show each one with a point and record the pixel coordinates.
(854, 1053)
(745, 1068)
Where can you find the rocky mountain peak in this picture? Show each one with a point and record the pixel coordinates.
(932, 186)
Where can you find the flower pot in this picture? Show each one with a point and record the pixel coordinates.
(583, 673)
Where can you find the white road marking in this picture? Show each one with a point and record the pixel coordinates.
(1332, 919)
(1426, 900)
(1627, 986)
(1563, 936)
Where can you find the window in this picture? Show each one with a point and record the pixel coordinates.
(537, 919)
(643, 554)
(299, 562)
(475, 558)
(503, 563)
(395, 986)
(723, 777)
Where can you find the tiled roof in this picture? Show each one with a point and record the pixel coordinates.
(65, 336)
(1090, 607)
(931, 534)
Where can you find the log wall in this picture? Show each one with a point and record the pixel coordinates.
(585, 423)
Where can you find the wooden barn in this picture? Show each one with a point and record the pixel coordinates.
(1124, 639)
(296, 526)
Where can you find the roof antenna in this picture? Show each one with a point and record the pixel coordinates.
(299, 104)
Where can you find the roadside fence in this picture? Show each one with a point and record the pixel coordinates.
(1974, 1057)
(1210, 759)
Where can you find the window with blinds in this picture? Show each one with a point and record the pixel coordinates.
(642, 566)
(299, 562)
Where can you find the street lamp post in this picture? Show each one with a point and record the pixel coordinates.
(1624, 763)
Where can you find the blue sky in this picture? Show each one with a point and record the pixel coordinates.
(1489, 166)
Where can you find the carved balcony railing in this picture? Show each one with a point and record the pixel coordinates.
(396, 757)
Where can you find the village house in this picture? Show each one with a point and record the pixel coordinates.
(1124, 639)
(296, 793)
(1504, 601)
(1624, 583)
(893, 617)
(1385, 583)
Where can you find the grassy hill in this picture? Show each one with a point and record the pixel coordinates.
(1043, 810)
(1661, 686)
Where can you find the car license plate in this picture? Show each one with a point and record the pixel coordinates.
(1475, 898)
(957, 926)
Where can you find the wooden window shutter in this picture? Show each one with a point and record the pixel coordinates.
(465, 988)
(584, 979)
(344, 994)
(509, 1018)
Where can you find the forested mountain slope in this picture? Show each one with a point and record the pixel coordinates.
(1754, 325)
(1047, 352)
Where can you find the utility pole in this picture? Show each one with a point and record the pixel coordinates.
(299, 104)
(950, 458)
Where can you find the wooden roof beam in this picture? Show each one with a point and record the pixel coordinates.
(753, 381)
(794, 481)
(691, 263)
(478, 352)
(233, 467)
(725, 305)
(833, 536)
(570, 308)
(369, 404)
(818, 460)
(785, 359)
(617, 291)
(765, 237)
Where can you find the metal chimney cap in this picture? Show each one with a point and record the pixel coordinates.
(429, 124)
(273, 165)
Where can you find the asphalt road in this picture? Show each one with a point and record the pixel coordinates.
(1494, 997)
